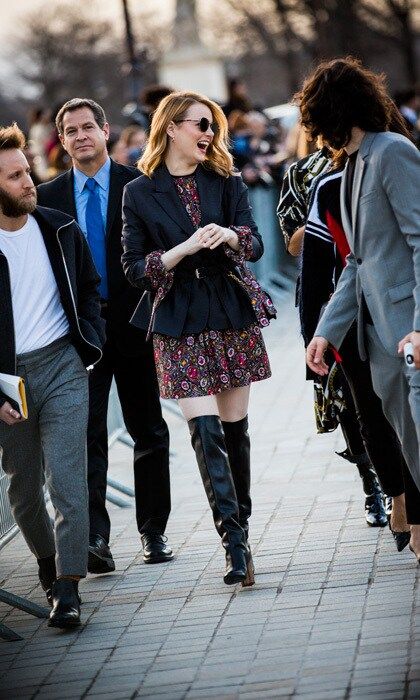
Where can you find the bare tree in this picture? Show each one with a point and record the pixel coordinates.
(291, 30)
(66, 51)
(11, 109)
(263, 27)
(398, 22)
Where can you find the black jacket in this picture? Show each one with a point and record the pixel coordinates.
(123, 298)
(77, 282)
(155, 219)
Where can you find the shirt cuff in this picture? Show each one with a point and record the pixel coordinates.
(244, 234)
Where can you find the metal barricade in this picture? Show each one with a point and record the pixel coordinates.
(276, 270)
(8, 527)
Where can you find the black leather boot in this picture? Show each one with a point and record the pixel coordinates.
(208, 441)
(239, 452)
(375, 513)
(66, 604)
(47, 575)
(238, 448)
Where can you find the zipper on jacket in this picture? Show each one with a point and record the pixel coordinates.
(72, 296)
(10, 287)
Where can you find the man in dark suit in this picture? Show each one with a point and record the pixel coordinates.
(91, 191)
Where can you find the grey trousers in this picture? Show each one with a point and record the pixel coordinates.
(50, 447)
(399, 389)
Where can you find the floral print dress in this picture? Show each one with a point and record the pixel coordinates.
(201, 364)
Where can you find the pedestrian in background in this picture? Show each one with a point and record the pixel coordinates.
(300, 213)
(347, 105)
(51, 331)
(91, 192)
(323, 259)
(188, 231)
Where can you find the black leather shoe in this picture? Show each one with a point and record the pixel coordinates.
(100, 559)
(66, 605)
(155, 549)
(401, 538)
(47, 575)
(374, 511)
(237, 556)
(374, 506)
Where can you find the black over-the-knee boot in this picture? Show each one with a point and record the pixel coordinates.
(208, 441)
(239, 453)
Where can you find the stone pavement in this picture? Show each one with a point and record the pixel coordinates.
(332, 614)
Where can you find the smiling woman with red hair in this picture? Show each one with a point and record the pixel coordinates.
(188, 231)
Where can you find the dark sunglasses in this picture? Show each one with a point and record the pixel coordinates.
(203, 124)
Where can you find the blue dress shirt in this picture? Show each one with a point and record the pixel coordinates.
(81, 194)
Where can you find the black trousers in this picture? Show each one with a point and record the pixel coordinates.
(380, 440)
(138, 392)
(350, 425)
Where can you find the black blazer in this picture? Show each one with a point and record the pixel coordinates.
(155, 219)
(123, 298)
(77, 282)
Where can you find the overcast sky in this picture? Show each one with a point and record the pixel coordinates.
(11, 12)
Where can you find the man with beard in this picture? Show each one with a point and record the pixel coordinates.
(51, 333)
(91, 192)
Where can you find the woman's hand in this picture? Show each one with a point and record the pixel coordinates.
(315, 355)
(209, 237)
(214, 235)
(194, 243)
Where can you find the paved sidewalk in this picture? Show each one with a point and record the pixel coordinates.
(332, 614)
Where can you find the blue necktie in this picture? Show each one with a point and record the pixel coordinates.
(96, 234)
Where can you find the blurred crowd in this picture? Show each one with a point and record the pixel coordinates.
(264, 142)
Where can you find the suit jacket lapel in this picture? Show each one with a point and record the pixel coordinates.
(210, 192)
(343, 206)
(364, 151)
(357, 182)
(168, 199)
(116, 185)
(68, 202)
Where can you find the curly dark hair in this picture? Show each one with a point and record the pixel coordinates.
(341, 94)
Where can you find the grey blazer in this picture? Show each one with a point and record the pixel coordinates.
(384, 240)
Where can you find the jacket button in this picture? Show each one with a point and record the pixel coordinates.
(359, 261)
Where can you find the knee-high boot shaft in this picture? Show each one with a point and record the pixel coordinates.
(208, 441)
(239, 453)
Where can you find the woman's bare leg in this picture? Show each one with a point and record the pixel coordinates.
(199, 406)
(233, 404)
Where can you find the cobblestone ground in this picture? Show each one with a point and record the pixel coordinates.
(332, 614)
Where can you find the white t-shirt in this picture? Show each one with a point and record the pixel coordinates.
(38, 314)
